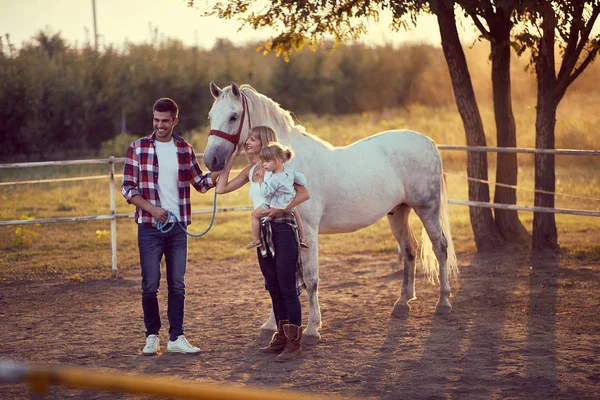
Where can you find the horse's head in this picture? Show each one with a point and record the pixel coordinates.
(229, 124)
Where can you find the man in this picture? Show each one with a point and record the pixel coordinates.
(156, 179)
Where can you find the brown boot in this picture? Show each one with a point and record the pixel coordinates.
(293, 349)
(278, 341)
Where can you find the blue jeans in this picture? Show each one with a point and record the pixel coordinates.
(280, 274)
(153, 245)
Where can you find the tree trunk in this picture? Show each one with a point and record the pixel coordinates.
(544, 224)
(507, 221)
(485, 231)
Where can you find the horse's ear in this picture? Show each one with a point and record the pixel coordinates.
(235, 89)
(214, 89)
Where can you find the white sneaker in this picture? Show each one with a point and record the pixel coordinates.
(181, 345)
(152, 344)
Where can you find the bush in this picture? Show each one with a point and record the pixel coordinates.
(117, 146)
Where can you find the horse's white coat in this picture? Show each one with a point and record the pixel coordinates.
(350, 188)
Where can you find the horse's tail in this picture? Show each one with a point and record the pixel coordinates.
(430, 262)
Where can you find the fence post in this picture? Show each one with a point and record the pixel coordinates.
(113, 220)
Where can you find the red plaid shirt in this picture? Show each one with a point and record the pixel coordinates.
(140, 176)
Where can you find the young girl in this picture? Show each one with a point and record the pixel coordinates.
(277, 188)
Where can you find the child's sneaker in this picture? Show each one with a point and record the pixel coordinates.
(254, 244)
(303, 243)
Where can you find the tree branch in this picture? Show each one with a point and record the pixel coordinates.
(486, 34)
(587, 29)
(590, 57)
(571, 55)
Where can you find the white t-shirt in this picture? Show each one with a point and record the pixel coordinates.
(168, 176)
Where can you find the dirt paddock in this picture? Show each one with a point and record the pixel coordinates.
(522, 327)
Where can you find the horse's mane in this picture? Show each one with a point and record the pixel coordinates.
(268, 109)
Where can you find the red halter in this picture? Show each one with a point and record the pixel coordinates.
(235, 138)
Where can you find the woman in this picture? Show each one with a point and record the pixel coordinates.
(278, 259)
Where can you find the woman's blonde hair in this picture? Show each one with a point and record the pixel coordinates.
(265, 134)
(276, 151)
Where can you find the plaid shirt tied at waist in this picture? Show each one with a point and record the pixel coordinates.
(268, 248)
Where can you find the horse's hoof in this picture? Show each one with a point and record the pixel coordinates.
(269, 326)
(310, 340)
(264, 336)
(442, 310)
(401, 311)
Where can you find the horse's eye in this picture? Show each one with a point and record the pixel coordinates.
(233, 118)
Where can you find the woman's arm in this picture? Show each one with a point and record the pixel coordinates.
(224, 185)
(301, 196)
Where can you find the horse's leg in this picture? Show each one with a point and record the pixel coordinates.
(407, 245)
(430, 216)
(266, 330)
(270, 324)
(310, 265)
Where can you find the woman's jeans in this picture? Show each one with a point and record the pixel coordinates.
(280, 274)
(152, 245)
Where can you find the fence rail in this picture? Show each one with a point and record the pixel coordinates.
(113, 216)
(40, 378)
(570, 152)
(564, 152)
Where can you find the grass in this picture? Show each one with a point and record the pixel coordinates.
(81, 247)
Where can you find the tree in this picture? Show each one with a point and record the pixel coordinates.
(498, 16)
(485, 231)
(572, 21)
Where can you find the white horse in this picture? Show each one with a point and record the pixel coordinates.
(350, 187)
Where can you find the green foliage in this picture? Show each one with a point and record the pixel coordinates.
(24, 236)
(117, 146)
(75, 278)
(102, 234)
(590, 253)
(310, 22)
(62, 102)
(568, 24)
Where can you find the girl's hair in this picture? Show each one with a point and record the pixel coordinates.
(265, 134)
(276, 151)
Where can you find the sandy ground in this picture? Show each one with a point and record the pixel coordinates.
(522, 327)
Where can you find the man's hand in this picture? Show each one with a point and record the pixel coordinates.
(160, 214)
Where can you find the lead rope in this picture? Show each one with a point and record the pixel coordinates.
(161, 227)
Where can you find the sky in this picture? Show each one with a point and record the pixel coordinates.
(120, 21)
